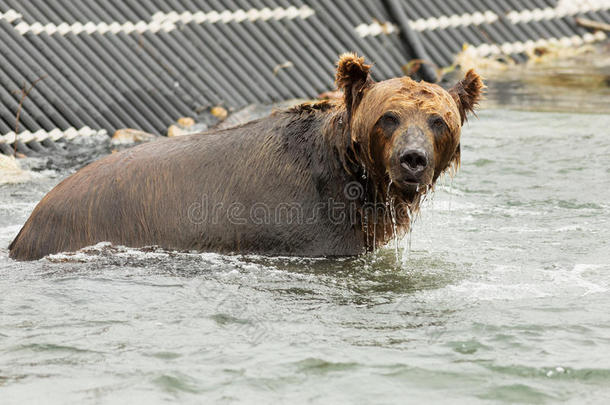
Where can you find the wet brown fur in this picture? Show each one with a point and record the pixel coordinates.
(305, 155)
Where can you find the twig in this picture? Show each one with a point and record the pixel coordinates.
(24, 93)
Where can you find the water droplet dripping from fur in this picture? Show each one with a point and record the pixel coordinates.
(406, 251)
(365, 209)
(375, 219)
(392, 209)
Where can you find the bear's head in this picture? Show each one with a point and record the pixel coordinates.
(404, 132)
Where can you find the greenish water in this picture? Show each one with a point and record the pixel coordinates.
(504, 296)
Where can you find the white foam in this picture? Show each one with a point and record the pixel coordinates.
(578, 277)
(512, 283)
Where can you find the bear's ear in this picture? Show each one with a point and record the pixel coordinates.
(352, 77)
(467, 93)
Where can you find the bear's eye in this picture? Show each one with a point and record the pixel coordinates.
(438, 124)
(389, 122)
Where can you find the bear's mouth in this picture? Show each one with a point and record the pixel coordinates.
(408, 189)
(409, 184)
(411, 181)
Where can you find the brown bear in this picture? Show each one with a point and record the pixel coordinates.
(327, 178)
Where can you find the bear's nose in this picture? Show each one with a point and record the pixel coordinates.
(414, 161)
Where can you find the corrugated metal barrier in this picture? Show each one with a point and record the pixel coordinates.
(93, 66)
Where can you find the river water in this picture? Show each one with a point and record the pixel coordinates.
(504, 295)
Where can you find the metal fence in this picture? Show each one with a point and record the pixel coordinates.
(92, 66)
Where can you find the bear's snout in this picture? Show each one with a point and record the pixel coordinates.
(414, 162)
(413, 159)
